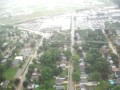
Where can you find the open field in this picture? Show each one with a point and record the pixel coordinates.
(35, 15)
(9, 73)
(41, 8)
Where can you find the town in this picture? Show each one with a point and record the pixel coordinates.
(74, 50)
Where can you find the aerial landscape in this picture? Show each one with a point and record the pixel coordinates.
(59, 45)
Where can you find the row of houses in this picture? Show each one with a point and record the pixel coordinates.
(60, 80)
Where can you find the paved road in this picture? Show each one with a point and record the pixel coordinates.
(71, 84)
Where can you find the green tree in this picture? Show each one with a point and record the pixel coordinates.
(1, 57)
(95, 76)
(102, 67)
(67, 54)
(25, 84)
(57, 71)
(76, 57)
(50, 57)
(104, 85)
(115, 59)
(76, 76)
(46, 73)
(16, 81)
(116, 88)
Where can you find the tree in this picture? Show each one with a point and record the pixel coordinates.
(1, 57)
(116, 88)
(8, 63)
(104, 85)
(30, 70)
(50, 57)
(76, 76)
(46, 73)
(1, 73)
(102, 67)
(89, 58)
(115, 59)
(32, 44)
(25, 84)
(75, 46)
(16, 81)
(95, 76)
(76, 57)
(57, 71)
(67, 54)
(118, 49)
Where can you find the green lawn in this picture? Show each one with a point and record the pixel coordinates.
(9, 73)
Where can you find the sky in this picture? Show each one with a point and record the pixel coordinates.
(48, 3)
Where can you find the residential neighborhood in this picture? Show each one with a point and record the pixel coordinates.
(77, 49)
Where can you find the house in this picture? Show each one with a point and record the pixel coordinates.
(117, 74)
(60, 87)
(104, 49)
(31, 86)
(117, 41)
(17, 60)
(59, 80)
(118, 32)
(5, 84)
(114, 69)
(63, 66)
(81, 60)
(4, 44)
(4, 61)
(6, 56)
(63, 58)
(110, 62)
(109, 57)
(35, 75)
(26, 52)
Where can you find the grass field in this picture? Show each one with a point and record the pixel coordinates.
(36, 14)
(9, 73)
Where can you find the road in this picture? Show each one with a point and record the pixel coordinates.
(32, 31)
(110, 43)
(25, 69)
(112, 47)
(71, 84)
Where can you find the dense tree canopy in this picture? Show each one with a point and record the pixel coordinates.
(48, 67)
